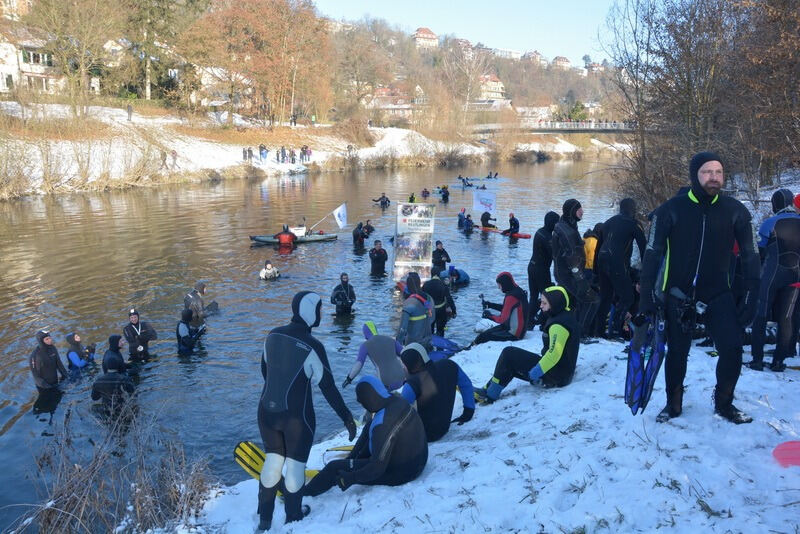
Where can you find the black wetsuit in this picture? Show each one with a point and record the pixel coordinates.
(442, 300)
(384, 201)
(692, 236)
(777, 297)
(513, 319)
(359, 235)
(186, 334)
(46, 365)
(513, 226)
(440, 259)
(485, 218)
(113, 388)
(613, 265)
(378, 260)
(391, 450)
(139, 335)
(432, 385)
(539, 265)
(445, 194)
(569, 260)
(113, 359)
(343, 297)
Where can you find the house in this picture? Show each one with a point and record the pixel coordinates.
(562, 63)
(425, 38)
(492, 88)
(466, 48)
(392, 102)
(535, 57)
(507, 53)
(23, 61)
(595, 68)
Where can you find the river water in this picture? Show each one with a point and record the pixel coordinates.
(79, 262)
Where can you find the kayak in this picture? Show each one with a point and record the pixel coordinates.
(515, 236)
(313, 238)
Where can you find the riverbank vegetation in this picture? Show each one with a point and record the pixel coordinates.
(707, 75)
(132, 479)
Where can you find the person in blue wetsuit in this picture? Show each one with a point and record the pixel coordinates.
(469, 225)
(291, 361)
(556, 366)
(432, 385)
(384, 352)
(462, 216)
(457, 277)
(782, 207)
(78, 356)
(513, 225)
(391, 450)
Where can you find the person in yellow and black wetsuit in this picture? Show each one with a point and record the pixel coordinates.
(556, 366)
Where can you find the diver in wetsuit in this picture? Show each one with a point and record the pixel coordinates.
(485, 218)
(539, 265)
(432, 385)
(443, 303)
(378, 258)
(781, 269)
(138, 334)
(439, 258)
(194, 301)
(614, 263)
(384, 353)
(45, 363)
(556, 366)
(513, 318)
(343, 296)
(186, 334)
(513, 225)
(285, 237)
(359, 235)
(113, 387)
(269, 272)
(292, 360)
(383, 199)
(113, 355)
(391, 450)
(462, 215)
(417, 318)
(78, 356)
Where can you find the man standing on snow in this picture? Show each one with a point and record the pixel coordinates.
(692, 236)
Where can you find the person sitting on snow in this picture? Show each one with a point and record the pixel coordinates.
(556, 367)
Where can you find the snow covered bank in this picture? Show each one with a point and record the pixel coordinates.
(574, 460)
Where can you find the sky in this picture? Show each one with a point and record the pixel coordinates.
(554, 28)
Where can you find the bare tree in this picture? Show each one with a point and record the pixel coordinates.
(462, 68)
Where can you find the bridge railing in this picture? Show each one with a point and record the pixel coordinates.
(576, 125)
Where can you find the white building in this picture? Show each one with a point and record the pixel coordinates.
(425, 38)
(560, 62)
(24, 62)
(492, 88)
(535, 57)
(507, 53)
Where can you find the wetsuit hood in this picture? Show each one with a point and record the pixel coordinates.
(341, 278)
(569, 211)
(413, 283)
(506, 281)
(369, 329)
(627, 207)
(550, 220)
(558, 298)
(698, 160)
(414, 357)
(781, 199)
(113, 342)
(74, 345)
(371, 394)
(40, 335)
(186, 316)
(200, 286)
(306, 307)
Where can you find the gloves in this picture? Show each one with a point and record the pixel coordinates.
(350, 425)
(346, 382)
(487, 314)
(466, 415)
(746, 309)
(536, 373)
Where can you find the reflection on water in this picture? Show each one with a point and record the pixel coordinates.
(79, 262)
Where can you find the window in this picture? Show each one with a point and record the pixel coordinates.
(9, 82)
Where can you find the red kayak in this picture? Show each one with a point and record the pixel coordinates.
(516, 236)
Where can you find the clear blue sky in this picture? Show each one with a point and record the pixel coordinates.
(553, 27)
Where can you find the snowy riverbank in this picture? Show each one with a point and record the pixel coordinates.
(574, 460)
(139, 152)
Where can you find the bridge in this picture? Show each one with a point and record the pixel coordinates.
(540, 126)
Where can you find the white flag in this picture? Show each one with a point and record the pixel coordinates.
(484, 201)
(340, 214)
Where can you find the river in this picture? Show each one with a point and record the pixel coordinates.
(79, 262)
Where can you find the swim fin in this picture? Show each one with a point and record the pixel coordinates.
(251, 458)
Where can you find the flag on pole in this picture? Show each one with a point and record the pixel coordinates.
(484, 201)
(340, 214)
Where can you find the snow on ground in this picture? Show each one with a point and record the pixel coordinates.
(616, 147)
(400, 143)
(574, 460)
(557, 146)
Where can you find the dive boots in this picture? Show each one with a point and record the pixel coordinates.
(674, 406)
(723, 406)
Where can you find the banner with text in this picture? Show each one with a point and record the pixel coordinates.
(484, 201)
(413, 240)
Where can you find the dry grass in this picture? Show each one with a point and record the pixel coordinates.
(56, 129)
(316, 139)
(132, 480)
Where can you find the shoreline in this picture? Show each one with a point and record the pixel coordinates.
(149, 151)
